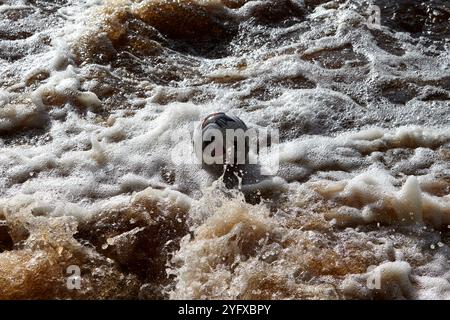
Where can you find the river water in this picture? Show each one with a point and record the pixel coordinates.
(93, 95)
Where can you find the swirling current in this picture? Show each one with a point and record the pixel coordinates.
(93, 92)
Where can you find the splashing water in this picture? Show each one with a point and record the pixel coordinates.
(93, 94)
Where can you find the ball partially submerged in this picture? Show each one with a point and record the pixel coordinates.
(221, 141)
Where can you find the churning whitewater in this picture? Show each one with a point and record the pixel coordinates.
(94, 95)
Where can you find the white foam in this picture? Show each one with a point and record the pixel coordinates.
(347, 152)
